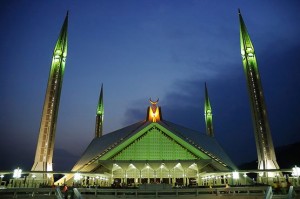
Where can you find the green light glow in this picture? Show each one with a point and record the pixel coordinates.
(264, 144)
(208, 114)
(138, 146)
(45, 146)
(100, 115)
(165, 149)
(100, 107)
(247, 49)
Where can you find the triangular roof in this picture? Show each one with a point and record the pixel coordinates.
(203, 142)
(99, 147)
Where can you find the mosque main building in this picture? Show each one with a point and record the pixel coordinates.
(153, 150)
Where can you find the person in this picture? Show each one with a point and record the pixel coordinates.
(65, 191)
(210, 187)
(227, 188)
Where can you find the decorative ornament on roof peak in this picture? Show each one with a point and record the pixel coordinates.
(154, 102)
(154, 111)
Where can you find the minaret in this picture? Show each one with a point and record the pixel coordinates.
(208, 115)
(45, 145)
(264, 143)
(99, 115)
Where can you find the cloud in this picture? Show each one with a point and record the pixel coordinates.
(280, 74)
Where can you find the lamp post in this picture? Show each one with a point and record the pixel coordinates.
(33, 177)
(77, 177)
(235, 176)
(245, 176)
(17, 173)
(1, 177)
(97, 181)
(296, 173)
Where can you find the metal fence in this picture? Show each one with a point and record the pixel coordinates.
(88, 193)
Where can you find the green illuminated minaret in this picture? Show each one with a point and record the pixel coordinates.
(264, 143)
(45, 145)
(99, 115)
(208, 115)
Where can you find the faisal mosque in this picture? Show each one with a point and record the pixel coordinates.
(153, 150)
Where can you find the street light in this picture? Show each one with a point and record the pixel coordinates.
(77, 177)
(17, 173)
(1, 177)
(33, 177)
(245, 176)
(235, 176)
(296, 172)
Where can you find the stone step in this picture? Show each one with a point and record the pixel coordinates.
(279, 196)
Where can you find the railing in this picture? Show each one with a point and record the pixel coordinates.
(58, 193)
(269, 193)
(231, 192)
(136, 193)
(77, 193)
(296, 192)
(28, 192)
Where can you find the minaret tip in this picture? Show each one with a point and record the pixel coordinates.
(206, 93)
(100, 102)
(99, 115)
(208, 114)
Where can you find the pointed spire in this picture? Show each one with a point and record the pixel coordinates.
(99, 115)
(62, 42)
(46, 140)
(207, 102)
(100, 107)
(247, 49)
(262, 133)
(208, 114)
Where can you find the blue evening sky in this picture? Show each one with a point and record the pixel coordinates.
(139, 49)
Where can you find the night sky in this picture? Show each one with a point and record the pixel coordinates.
(139, 49)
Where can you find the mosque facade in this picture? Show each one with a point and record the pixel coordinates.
(153, 150)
